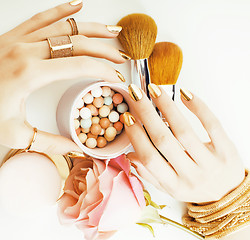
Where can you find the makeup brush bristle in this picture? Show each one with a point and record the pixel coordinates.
(138, 35)
(165, 63)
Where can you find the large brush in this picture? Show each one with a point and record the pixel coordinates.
(138, 37)
(165, 64)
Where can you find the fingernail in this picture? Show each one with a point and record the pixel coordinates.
(75, 2)
(114, 29)
(134, 92)
(154, 90)
(129, 120)
(186, 94)
(120, 76)
(124, 55)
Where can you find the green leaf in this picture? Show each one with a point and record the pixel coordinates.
(150, 228)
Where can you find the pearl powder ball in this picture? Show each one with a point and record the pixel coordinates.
(82, 137)
(122, 108)
(95, 129)
(93, 109)
(76, 123)
(102, 132)
(91, 143)
(96, 92)
(95, 120)
(112, 93)
(110, 134)
(85, 113)
(118, 126)
(88, 98)
(79, 103)
(28, 183)
(78, 131)
(114, 116)
(85, 130)
(111, 106)
(104, 122)
(104, 111)
(76, 113)
(90, 135)
(106, 91)
(86, 123)
(101, 142)
(117, 98)
(98, 102)
(108, 100)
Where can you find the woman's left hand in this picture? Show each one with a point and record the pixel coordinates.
(194, 171)
(25, 66)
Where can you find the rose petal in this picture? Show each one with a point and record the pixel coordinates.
(138, 190)
(98, 167)
(121, 163)
(122, 207)
(105, 187)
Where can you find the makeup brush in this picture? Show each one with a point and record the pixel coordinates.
(165, 64)
(138, 37)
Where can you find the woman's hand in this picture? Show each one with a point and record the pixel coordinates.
(194, 172)
(25, 66)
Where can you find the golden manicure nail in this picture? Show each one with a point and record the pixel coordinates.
(154, 90)
(186, 94)
(129, 120)
(114, 29)
(75, 2)
(120, 76)
(134, 92)
(124, 55)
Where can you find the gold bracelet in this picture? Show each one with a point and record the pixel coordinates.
(32, 140)
(224, 217)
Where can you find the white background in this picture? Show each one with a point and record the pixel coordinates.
(214, 36)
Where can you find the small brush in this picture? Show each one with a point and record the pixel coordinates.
(138, 37)
(165, 64)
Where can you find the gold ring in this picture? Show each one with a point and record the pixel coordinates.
(32, 140)
(60, 47)
(73, 25)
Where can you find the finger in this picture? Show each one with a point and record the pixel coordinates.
(18, 134)
(88, 29)
(146, 152)
(209, 121)
(45, 18)
(53, 144)
(81, 46)
(48, 71)
(143, 172)
(179, 126)
(159, 133)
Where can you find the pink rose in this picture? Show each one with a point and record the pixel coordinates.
(101, 197)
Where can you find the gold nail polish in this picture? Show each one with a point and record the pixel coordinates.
(135, 92)
(186, 94)
(124, 55)
(114, 29)
(129, 120)
(120, 76)
(75, 2)
(154, 90)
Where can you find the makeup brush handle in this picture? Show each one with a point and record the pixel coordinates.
(140, 74)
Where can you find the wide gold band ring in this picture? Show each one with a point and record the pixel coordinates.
(73, 25)
(60, 47)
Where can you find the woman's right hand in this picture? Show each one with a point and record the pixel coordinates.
(194, 171)
(25, 66)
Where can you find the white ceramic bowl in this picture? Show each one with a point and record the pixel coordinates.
(65, 119)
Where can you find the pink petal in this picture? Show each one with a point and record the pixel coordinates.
(105, 187)
(122, 207)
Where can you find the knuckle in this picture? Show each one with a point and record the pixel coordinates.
(39, 17)
(17, 50)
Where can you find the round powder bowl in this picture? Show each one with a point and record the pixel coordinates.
(84, 105)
